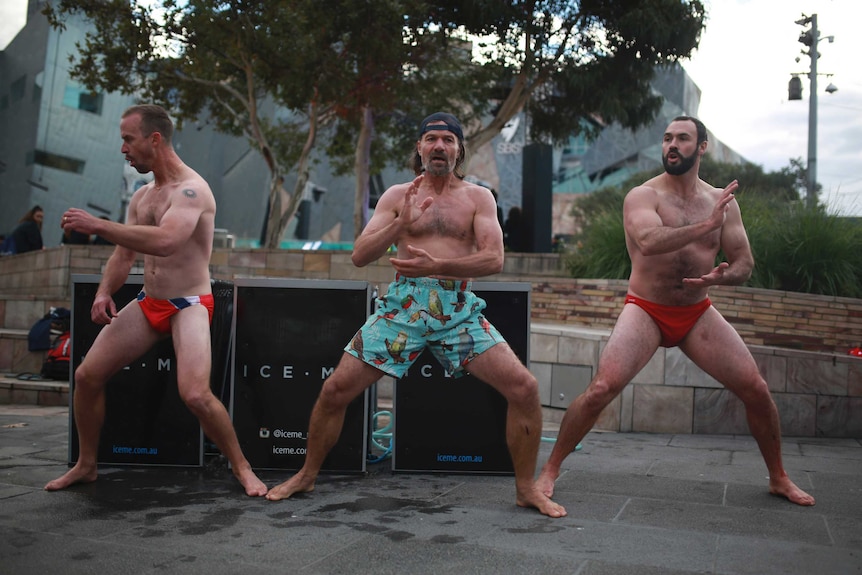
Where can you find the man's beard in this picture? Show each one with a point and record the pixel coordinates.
(436, 169)
(685, 164)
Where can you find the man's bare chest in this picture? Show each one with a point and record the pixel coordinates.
(449, 220)
(150, 212)
(677, 214)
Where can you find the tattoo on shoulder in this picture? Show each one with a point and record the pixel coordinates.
(189, 193)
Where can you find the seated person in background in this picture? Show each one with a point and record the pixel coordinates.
(27, 235)
(71, 236)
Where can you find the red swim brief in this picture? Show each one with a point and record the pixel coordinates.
(159, 311)
(673, 321)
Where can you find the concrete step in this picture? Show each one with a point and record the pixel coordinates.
(15, 358)
(30, 389)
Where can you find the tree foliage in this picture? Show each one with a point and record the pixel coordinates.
(230, 63)
(782, 186)
(567, 61)
(362, 73)
(279, 73)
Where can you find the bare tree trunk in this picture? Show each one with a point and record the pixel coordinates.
(362, 168)
(275, 232)
(275, 207)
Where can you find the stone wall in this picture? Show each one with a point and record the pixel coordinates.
(763, 317)
(817, 394)
(800, 341)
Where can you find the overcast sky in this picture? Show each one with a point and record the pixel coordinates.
(13, 14)
(743, 65)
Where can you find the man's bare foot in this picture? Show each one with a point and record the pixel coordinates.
(537, 499)
(545, 482)
(299, 483)
(253, 486)
(78, 474)
(785, 488)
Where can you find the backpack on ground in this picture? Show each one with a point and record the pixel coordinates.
(53, 323)
(58, 359)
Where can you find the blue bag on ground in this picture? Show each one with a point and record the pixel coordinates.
(53, 323)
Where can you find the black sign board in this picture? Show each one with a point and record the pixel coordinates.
(289, 335)
(458, 425)
(146, 422)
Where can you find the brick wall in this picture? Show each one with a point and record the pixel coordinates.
(763, 317)
(817, 394)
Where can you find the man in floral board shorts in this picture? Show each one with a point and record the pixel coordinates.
(446, 233)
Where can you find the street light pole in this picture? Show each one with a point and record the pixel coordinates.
(810, 38)
(811, 196)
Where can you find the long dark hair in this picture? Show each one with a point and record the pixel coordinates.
(29, 216)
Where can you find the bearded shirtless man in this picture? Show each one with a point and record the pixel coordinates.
(170, 222)
(446, 232)
(675, 225)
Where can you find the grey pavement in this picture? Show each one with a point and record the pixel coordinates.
(643, 504)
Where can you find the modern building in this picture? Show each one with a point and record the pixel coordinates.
(61, 148)
(60, 144)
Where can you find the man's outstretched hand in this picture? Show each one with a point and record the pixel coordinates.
(712, 278)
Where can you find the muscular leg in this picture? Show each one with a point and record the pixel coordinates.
(191, 334)
(633, 342)
(501, 368)
(741, 376)
(126, 338)
(327, 418)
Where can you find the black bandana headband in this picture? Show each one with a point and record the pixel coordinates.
(452, 124)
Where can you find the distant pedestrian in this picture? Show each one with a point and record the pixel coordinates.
(72, 237)
(27, 235)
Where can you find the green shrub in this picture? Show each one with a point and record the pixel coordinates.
(804, 249)
(600, 250)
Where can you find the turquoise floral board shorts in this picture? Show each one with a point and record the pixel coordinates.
(442, 315)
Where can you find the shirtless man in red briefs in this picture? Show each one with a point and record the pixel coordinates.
(675, 225)
(171, 222)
